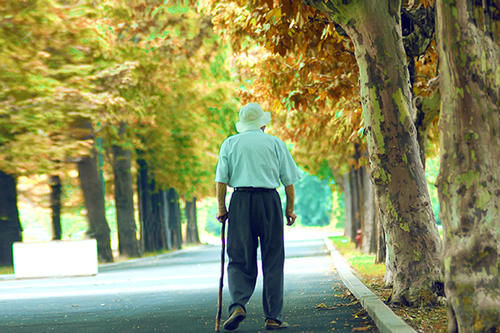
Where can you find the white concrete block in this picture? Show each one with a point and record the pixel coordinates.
(55, 258)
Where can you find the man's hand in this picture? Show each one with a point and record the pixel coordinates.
(222, 215)
(290, 218)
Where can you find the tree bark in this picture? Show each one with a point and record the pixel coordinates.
(469, 177)
(418, 33)
(380, 253)
(347, 206)
(55, 205)
(396, 168)
(174, 218)
(95, 205)
(355, 203)
(192, 235)
(159, 206)
(124, 201)
(10, 225)
(151, 208)
(164, 219)
(369, 223)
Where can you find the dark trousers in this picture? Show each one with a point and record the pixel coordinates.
(256, 216)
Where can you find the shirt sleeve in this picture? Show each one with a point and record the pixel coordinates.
(289, 172)
(222, 172)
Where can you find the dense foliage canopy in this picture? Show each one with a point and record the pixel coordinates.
(302, 67)
(76, 72)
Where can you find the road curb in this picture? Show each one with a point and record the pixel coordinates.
(386, 320)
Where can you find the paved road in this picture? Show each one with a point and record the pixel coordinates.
(178, 293)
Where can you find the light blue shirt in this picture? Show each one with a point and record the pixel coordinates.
(256, 159)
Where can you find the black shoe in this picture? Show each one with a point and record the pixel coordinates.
(235, 319)
(273, 324)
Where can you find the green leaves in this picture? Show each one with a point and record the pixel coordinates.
(41, 59)
(155, 65)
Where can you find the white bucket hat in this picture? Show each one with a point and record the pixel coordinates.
(252, 117)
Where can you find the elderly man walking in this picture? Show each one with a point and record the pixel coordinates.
(255, 164)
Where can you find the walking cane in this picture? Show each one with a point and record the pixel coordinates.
(221, 281)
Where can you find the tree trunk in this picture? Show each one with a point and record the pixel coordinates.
(469, 177)
(360, 203)
(360, 209)
(164, 216)
(95, 205)
(380, 253)
(124, 201)
(150, 211)
(144, 201)
(396, 168)
(10, 225)
(55, 205)
(417, 23)
(192, 235)
(347, 206)
(174, 218)
(369, 223)
(158, 205)
(353, 204)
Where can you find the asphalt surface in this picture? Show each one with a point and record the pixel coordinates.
(178, 293)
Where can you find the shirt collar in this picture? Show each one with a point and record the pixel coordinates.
(253, 131)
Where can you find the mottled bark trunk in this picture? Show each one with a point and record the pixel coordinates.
(95, 205)
(469, 177)
(10, 225)
(55, 206)
(369, 223)
(124, 201)
(397, 170)
(390, 261)
(153, 235)
(174, 218)
(380, 253)
(192, 235)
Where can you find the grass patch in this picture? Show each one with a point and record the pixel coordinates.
(363, 263)
(422, 319)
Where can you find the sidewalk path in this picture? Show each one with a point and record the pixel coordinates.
(386, 320)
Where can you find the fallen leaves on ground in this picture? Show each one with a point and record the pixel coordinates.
(423, 319)
(323, 306)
